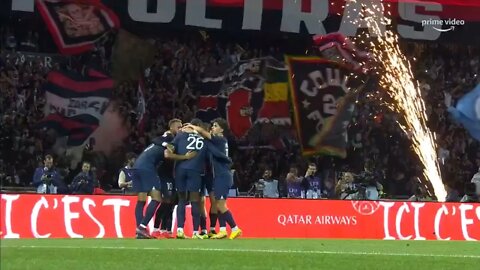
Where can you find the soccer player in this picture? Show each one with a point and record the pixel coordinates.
(207, 189)
(187, 177)
(164, 212)
(223, 178)
(147, 181)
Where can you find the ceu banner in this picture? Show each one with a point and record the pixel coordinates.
(323, 97)
(55, 216)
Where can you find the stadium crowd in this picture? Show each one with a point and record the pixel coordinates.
(445, 72)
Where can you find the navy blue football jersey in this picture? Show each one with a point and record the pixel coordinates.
(208, 165)
(186, 142)
(218, 148)
(165, 170)
(152, 155)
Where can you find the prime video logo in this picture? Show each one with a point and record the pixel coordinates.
(438, 24)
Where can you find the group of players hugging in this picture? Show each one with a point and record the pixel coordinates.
(177, 168)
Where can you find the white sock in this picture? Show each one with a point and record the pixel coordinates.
(195, 232)
(143, 226)
(204, 231)
(212, 229)
(180, 230)
(163, 231)
(235, 228)
(223, 229)
(157, 230)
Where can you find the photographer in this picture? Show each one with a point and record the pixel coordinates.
(83, 183)
(266, 187)
(345, 189)
(364, 186)
(420, 194)
(47, 179)
(367, 183)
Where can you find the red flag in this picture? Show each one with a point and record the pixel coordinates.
(76, 25)
(239, 112)
(207, 102)
(75, 104)
(344, 47)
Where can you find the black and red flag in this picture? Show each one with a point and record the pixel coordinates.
(76, 25)
(324, 91)
(251, 91)
(323, 97)
(208, 107)
(75, 104)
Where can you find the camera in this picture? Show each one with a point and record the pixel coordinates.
(47, 178)
(362, 186)
(365, 179)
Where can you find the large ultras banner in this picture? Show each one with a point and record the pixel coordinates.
(440, 20)
(57, 216)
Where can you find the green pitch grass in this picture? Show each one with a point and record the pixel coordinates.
(116, 254)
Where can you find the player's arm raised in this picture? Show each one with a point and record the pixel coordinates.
(170, 155)
(217, 154)
(204, 133)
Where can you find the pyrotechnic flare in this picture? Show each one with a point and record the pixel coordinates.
(397, 79)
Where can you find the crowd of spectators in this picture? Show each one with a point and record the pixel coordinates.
(445, 72)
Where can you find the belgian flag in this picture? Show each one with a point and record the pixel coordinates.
(275, 106)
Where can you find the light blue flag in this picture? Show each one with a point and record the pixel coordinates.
(467, 112)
